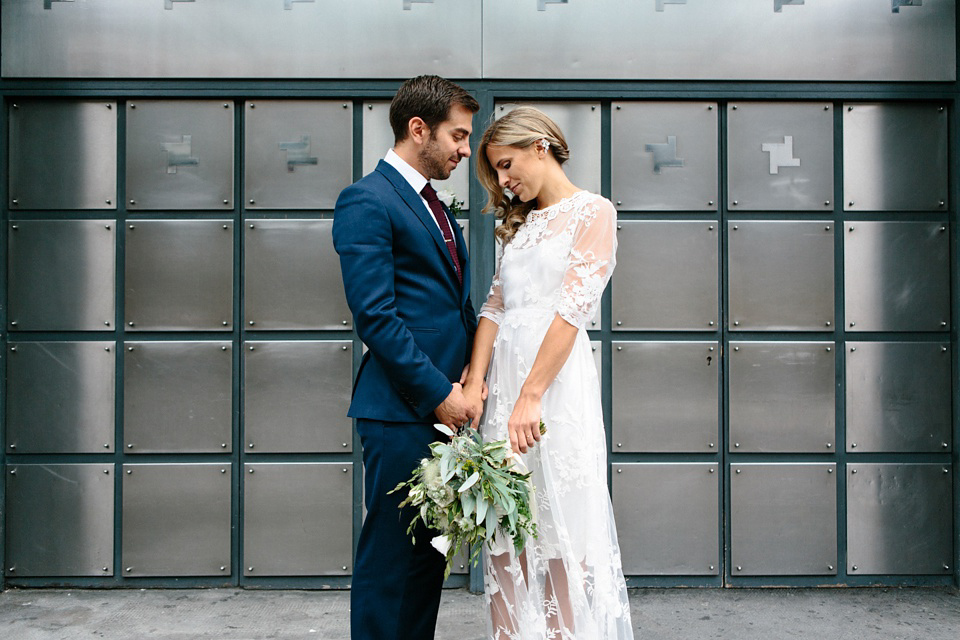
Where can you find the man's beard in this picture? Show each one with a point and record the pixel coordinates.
(432, 160)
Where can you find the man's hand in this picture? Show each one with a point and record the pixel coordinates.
(454, 410)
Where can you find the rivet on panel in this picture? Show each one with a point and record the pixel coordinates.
(943, 324)
(343, 348)
(345, 470)
(712, 470)
(736, 445)
(223, 568)
(106, 471)
(225, 323)
(132, 227)
(854, 567)
(827, 228)
(619, 348)
(942, 229)
(853, 471)
(829, 470)
(829, 567)
(14, 349)
(105, 568)
(106, 348)
(226, 105)
(849, 108)
(343, 322)
(253, 106)
(943, 349)
(734, 107)
(133, 106)
(826, 108)
(619, 323)
(710, 203)
(13, 446)
(223, 348)
(619, 227)
(129, 569)
(946, 567)
(250, 569)
(619, 470)
(369, 107)
(133, 202)
(344, 105)
(13, 472)
(619, 107)
(853, 349)
(851, 204)
(225, 226)
(129, 446)
(826, 203)
(619, 202)
(829, 349)
(710, 228)
(736, 323)
(251, 323)
(739, 568)
(619, 444)
(252, 201)
(501, 107)
(15, 201)
(711, 324)
(251, 348)
(344, 567)
(593, 107)
(853, 445)
(344, 444)
(828, 323)
(106, 445)
(223, 445)
(829, 445)
(251, 471)
(736, 348)
(129, 348)
(223, 470)
(944, 445)
(853, 324)
(942, 203)
(108, 202)
(14, 227)
(736, 202)
(129, 472)
(738, 471)
(946, 471)
(735, 227)
(250, 445)
(711, 567)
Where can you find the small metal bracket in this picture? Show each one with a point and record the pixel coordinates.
(896, 4)
(664, 154)
(178, 153)
(781, 154)
(778, 4)
(661, 3)
(298, 153)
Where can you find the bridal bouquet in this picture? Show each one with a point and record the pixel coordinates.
(467, 490)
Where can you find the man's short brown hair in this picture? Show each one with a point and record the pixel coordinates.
(430, 99)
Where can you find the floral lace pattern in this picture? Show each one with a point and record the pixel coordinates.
(568, 583)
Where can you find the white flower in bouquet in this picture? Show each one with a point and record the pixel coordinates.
(449, 198)
(469, 490)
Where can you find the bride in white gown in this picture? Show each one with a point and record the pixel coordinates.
(559, 250)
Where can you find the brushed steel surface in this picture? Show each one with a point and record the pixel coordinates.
(897, 276)
(59, 520)
(292, 276)
(177, 397)
(780, 156)
(580, 124)
(176, 519)
(297, 395)
(668, 518)
(62, 275)
(781, 275)
(179, 275)
(783, 519)
(666, 396)
(63, 154)
(241, 39)
(666, 277)
(895, 157)
(179, 154)
(298, 154)
(60, 397)
(635, 40)
(664, 156)
(782, 397)
(898, 396)
(378, 139)
(899, 519)
(298, 519)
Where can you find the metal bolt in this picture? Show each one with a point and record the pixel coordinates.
(944, 445)
(370, 107)
(854, 567)
(106, 445)
(853, 349)
(619, 323)
(619, 348)
(14, 349)
(619, 444)
(12, 569)
(829, 445)
(946, 567)
(735, 227)
(593, 107)
(711, 567)
(829, 567)
(850, 203)
(829, 470)
(739, 568)
(133, 202)
(826, 203)
(13, 472)
(131, 227)
(734, 107)
(15, 201)
(225, 323)
(827, 228)
(849, 108)
(345, 470)
(133, 106)
(710, 203)
(942, 203)
(711, 324)
(344, 105)
(106, 569)
(226, 105)
(738, 470)
(253, 106)
(946, 471)
(223, 568)
(736, 323)
(736, 348)
(344, 444)
(223, 470)
(736, 202)
(344, 567)
(129, 472)
(736, 446)
(251, 323)
(106, 348)
(853, 445)
(343, 322)
(619, 470)
(943, 324)
(250, 445)
(252, 201)
(13, 446)
(108, 202)
(829, 349)
(14, 227)
(343, 348)
(225, 226)
(129, 348)
(251, 348)
(943, 349)
(223, 445)
(250, 569)
(106, 471)
(828, 323)
(853, 324)
(13, 323)
(618, 107)
(223, 348)
(712, 470)
(853, 471)
(251, 470)
(129, 446)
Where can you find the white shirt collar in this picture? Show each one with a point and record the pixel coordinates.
(411, 175)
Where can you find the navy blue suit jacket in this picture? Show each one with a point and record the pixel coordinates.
(408, 306)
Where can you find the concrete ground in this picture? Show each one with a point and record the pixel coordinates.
(658, 614)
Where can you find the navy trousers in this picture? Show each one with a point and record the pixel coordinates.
(396, 584)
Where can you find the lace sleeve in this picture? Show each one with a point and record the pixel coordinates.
(492, 308)
(591, 262)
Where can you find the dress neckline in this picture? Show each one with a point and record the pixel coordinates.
(559, 202)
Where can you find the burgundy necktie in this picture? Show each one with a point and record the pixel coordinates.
(430, 195)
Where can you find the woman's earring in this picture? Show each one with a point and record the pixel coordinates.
(544, 145)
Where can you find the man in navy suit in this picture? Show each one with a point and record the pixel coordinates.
(404, 266)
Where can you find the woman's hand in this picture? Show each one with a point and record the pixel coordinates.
(524, 423)
(475, 393)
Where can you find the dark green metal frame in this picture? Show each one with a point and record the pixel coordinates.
(482, 251)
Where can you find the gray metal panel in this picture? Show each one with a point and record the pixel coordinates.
(783, 519)
(297, 396)
(59, 520)
(241, 38)
(597, 347)
(664, 156)
(780, 156)
(897, 276)
(666, 396)
(378, 138)
(179, 154)
(781, 275)
(176, 519)
(668, 519)
(898, 396)
(179, 275)
(782, 397)
(895, 157)
(298, 519)
(580, 124)
(62, 275)
(298, 154)
(63, 154)
(679, 40)
(177, 397)
(60, 397)
(292, 276)
(899, 519)
(666, 277)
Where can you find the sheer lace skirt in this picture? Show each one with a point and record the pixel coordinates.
(568, 582)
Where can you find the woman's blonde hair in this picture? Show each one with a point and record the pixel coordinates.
(519, 128)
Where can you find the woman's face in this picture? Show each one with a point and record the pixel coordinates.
(518, 169)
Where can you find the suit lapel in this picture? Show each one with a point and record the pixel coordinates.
(412, 199)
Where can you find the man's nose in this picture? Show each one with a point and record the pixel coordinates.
(465, 151)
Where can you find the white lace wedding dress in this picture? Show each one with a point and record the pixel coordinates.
(568, 583)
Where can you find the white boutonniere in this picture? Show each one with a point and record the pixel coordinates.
(449, 198)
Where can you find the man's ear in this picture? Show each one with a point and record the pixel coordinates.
(418, 129)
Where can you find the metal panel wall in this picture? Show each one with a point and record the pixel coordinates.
(59, 520)
(292, 276)
(898, 396)
(179, 154)
(667, 518)
(783, 519)
(75, 141)
(897, 276)
(177, 397)
(62, 275)
(665, 396)
(179, 275)
(60, 397)
(899, 518)
(298, 154)
(297, 519)
(895, 157)
(176, 519)
(297, 396)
